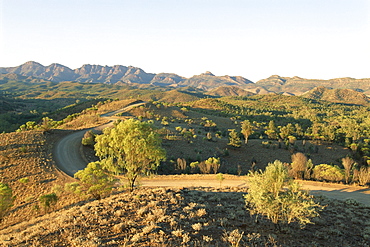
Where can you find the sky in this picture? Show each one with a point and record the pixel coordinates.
(315, 39)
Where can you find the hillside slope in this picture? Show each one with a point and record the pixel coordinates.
(337, 95)
(229, 91)
(298, 85)
(185, 217)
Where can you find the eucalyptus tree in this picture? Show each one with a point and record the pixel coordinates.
(131, 147)
(247, 129)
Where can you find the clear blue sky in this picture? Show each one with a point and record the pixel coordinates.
(318, 39)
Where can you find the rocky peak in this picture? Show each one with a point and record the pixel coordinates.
(208, 73)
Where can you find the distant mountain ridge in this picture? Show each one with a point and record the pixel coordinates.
(119, 74)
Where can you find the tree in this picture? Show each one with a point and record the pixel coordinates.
(46, 124)
(348, 165)
(271, 131)
(6, 199)
(95, 180)
(275, 195)
(247, 129)
(234, 139)
(286, 131)
(298, 130)
(131, 147)
(299, 165)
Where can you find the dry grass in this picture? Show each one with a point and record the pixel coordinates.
(27, 156)
(91, 117)
(186, 217)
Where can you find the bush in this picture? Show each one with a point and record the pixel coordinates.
(48, 200)
(348, 164)
(362, 175)
(328, 173)
(211, 165)
(275, 195)
(6, 199)
(24, 180)
(181, 164)
(73, 187)
(94, 180)
(88, 139)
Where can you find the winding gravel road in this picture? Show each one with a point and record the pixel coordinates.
(68, 150)
(69, 158)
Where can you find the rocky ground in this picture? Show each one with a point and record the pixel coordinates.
(194, 216)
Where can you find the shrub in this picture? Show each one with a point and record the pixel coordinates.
(210, 165)
(328, 173)
(6, 199)
(73, 187)
(308, 171)
(363, 175)
(48, 200)
(88, 139)
(95, 180)
(181, 164)
(194, 167)
(24, 180)
(275, 195)
(220, 178)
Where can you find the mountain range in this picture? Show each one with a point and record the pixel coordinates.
(230, 85)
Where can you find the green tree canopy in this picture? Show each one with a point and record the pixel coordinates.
(234, 139)
(247, 129)
(132, 147)
(271, 130)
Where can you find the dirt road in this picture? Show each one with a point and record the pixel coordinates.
(335, 191)
(68, 151)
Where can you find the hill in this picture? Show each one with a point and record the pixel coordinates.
(185, 217)
(298, 85)
(229, 91)
(337, 95)
(27, 155)
(208, 81)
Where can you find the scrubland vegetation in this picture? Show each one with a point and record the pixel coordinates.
(187, 217)
(305, 139)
